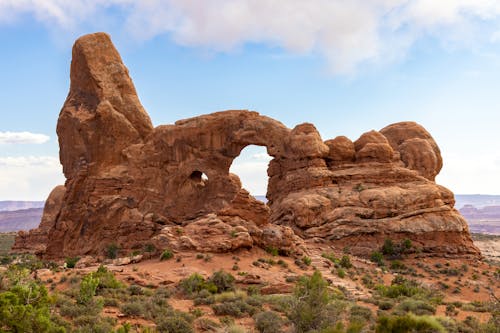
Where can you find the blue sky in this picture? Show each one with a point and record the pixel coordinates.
(346, 66)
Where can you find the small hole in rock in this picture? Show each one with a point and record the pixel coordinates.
(198, 177)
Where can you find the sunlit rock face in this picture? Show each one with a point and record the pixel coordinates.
(130, 184)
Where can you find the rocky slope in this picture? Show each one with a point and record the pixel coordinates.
(129, 184)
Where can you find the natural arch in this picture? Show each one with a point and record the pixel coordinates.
(251, 168)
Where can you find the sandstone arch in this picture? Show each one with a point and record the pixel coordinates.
(131, 184)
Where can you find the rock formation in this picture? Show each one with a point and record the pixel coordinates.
(129, 184)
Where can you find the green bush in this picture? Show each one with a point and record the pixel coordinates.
(133, 309)
(175, 324)
(112, 251)
(345, 262)
(223, 281)
(71, 262)
(386, 304)
(308, 309)
(25, 308)
(408, 323)
(377, 258)
(306, 260)
(167, 254)
(417, 307)
(107, 279)
(268, 322)
(388, 247)
(88, 288)
(397, 265)
(234, 308)
(360, 313)
(402, 287)
(196, 283)
(135, 290)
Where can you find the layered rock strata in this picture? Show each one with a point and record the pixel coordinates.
(129, 184)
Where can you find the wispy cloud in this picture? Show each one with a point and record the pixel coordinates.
(29, 177)
(348, 34)
(22, 138)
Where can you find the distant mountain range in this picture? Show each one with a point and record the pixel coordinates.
(23, 219)
(17, 205)
(481, 211)
(476, 200)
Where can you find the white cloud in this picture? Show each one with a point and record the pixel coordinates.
(253, 176)
(22, 138)
(466, 174)
(347, 34)
(29, 177)
(262, 157)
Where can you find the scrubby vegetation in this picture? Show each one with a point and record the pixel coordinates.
(94, 300)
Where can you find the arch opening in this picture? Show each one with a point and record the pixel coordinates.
(251, 167)
(198, 177)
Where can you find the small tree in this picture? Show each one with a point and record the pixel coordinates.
(309, 303)
(88, 287)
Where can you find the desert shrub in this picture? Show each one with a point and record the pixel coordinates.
(161, 295)
(345, 261)
(235, 308)
(150, 248)
(451, 310)
(166, 254)
(377, 258)
(408, 323)
(341, 273)
(135, 290)
(88, 288)
(360, 313)
(71, 262)
(107, 279)
(111, 302)
(397, 265)
(331, 257)
(309, 309)
(195, 284)
(175, 324)
(223, 281)
(112, 251)
(207, 325)
(392, 250)
(133, 309)
(69, 308)
(268, 322)
(25, 308)
(306, 260)
(204, 297)
(355, 326)
(388, 247)
(92, 324)
(402, 287)
(233, 328)
(386, 305)
(272, 251)
(416, 307)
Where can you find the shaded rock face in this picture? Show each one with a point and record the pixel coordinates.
(132, 185)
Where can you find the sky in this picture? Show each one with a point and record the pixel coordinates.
(347, 66)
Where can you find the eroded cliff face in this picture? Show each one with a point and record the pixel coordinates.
(130, 184)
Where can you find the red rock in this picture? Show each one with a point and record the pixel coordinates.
(129, 184)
